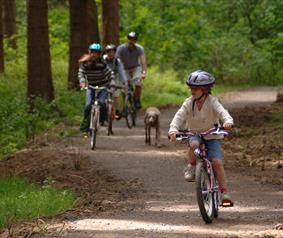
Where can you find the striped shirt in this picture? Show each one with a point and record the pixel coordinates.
(95, 72)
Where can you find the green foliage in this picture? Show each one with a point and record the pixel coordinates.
(17, 126)
(58, 21)
(161, 89)
(21, 200)
(238, 41)
(166, 88)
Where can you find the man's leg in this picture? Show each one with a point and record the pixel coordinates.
(138, 87)
(138, 90)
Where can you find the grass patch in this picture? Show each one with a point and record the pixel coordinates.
(21, 200)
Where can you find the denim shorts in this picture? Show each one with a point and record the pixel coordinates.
(213, 147)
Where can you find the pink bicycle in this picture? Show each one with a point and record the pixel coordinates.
(207, 189)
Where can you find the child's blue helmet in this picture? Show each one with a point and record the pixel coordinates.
(95, 47)
(200, 78)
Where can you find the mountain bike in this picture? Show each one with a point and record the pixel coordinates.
(207, 189)
(130, 109)
(95, 114)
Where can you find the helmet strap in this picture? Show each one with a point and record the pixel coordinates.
(197, 99)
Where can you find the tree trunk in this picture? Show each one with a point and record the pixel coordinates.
(9, 16)
(38, 55)
(1, 39)
(110, 22)
(84, 31)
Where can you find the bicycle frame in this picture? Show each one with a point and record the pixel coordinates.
(129, 107)
(95, 112)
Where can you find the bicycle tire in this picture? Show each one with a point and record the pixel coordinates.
(130, 113)
(216, 198)
(204, 194)
(94, 128)
(109, 118)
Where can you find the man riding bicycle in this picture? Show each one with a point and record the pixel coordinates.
(94, 71)
(133, 58)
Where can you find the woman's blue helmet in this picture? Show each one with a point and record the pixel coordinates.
(95, 47)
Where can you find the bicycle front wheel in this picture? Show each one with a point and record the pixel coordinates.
(94, 127)
(204, 193)
(130, 113)
(216, 198)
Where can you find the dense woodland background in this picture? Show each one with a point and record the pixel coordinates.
(239, 41)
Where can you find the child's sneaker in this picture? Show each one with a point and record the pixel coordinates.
(190, 173)
(226, 200)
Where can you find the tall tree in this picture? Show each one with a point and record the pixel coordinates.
(84, 31)
(39, 62)
(110, 21)
(9, 16)
(1, 39)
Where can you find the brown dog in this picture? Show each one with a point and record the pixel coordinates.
(152, 119)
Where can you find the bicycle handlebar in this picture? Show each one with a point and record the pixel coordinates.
(182, 135)
(95, 87)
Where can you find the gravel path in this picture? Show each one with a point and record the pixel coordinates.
(165, 205)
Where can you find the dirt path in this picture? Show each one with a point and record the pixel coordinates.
(164, 205)
(139, 190)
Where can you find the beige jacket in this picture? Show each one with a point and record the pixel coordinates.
(211, 113)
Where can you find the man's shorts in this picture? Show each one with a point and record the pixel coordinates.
(213, 147)
(134, 75)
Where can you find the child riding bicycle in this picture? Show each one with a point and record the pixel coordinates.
(120, 78)
(198, 113)
(94, 71)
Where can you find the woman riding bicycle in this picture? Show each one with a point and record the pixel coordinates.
(198, 113)
(94, 71)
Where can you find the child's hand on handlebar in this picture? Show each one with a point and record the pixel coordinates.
(82, 85)
(172, 137)
(227, 125)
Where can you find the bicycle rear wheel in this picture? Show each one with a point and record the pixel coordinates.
(94, 127)
(130, 112)
(204, 195)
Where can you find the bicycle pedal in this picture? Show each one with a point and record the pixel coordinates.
(85, 136)
(226, 204)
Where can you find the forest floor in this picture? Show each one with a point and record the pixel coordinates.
(125, 188)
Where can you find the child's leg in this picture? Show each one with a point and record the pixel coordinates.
(214, 153)
(220, 174)
(194, 143)
(189, 171)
